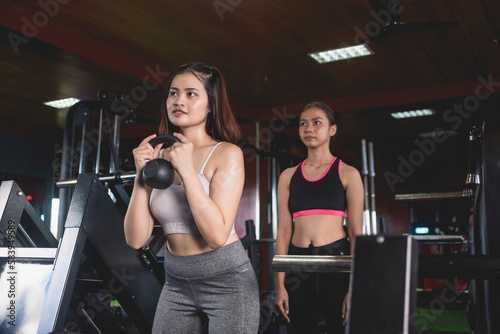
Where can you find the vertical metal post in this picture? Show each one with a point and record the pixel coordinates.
(116, 144)
(364, 172)
(371, 161)
(473, 177)
(81, 165)
(257, 183)
(98, 155)
(274, 198)
(273, 224)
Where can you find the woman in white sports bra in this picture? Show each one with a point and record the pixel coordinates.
(207, 272)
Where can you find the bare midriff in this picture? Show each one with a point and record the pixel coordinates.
(191, 244)
(317, 229)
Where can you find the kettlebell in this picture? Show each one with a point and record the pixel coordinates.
(159, 173)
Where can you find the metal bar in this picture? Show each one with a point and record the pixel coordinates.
(430, 266)
(439, 239)
(26, 235)
(89, 319)
(81, 164)
(116, 145)
(473, 177)
(312, 263)
(364, 172)
(111, 178)
(266, 241)
(257, 182)
(274, 199)
(30, 253)
(371, 163)
(98, 155)
(466, 193)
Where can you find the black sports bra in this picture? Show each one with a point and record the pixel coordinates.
(325, 195)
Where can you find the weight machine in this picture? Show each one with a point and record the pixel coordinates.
(89, 281)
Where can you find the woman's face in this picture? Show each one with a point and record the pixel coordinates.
(187, 101)
(314, 127)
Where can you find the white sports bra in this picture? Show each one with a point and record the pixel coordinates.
(171, 207)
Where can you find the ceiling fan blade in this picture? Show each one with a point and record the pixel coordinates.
(426, 26)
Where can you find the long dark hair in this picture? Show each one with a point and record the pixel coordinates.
(221, 123)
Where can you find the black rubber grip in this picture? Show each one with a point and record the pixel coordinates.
(163, 139)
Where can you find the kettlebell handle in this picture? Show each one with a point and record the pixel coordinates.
(163, 139)
(159, 173)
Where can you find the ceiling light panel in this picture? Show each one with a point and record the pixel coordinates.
(413, 113)
(64, 103)
(341, 54)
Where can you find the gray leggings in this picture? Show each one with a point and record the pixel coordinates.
(220, 284)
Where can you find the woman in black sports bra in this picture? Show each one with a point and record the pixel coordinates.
(313, 200)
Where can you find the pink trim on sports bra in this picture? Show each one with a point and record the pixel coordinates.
(319, 212)
(322, 176)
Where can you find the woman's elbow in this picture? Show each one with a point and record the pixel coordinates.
(216, 244)
(134, 243)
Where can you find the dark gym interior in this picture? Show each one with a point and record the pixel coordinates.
(435, 178)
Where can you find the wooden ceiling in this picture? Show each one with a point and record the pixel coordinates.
(53, 49)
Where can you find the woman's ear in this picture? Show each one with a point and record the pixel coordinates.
(333, 130)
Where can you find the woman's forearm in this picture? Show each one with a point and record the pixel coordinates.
(138, 222)
(213, 221)
(282, 244)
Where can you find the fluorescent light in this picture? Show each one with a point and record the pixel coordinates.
(64, 103)
(341, 54)
(421, 230)
(413, 113)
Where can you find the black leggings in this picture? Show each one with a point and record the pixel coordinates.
(313, 294)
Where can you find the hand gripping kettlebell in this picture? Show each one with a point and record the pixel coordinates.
(159, 173)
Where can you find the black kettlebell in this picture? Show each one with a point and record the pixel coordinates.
(159, 173)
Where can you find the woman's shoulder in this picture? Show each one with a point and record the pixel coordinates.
(226, 156)
(226, 151)
(288, 173)
(348, 171)
(346, 166)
